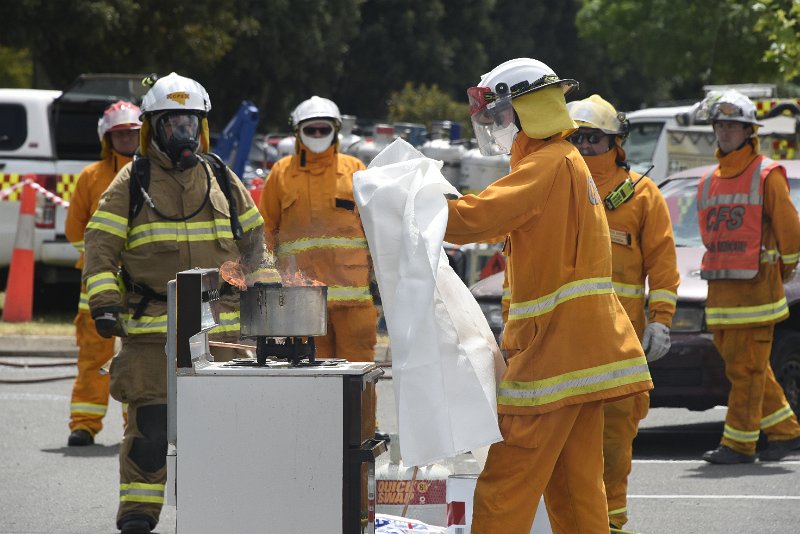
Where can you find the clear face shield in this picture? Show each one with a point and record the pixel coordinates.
(178, 134)
(492, 121)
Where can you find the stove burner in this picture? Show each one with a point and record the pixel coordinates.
(299, 351)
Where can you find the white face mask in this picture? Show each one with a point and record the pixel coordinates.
(504, 137)
(318, 145)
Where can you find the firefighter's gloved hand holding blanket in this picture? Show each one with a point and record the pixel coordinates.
(445, 361)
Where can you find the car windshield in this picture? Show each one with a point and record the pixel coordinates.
(681, 198)
(640, 145)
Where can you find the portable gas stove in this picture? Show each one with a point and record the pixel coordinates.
(283, 443)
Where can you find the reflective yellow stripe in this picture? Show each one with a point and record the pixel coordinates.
(548, 390)
(250, 219)
(157, 324)
(791, 258)
(506, 294)
(572, 290)
(663, 295)
(747, 314)
(108, 222)
(308, 243)
(618, 511)
(742, 436)
(83, 301)
(100, 282)
(263, 276)
(769, 256)
(631, 291)
(776, 417)
(228, 322)
(141, 492)
(179, 232)
(88, 408)
(337, 293)
(79, 245)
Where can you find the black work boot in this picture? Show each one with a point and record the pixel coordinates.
(776, 450)
(726, 455)
(80, 438)
(135, 525)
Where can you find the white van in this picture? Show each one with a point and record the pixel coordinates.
(647, 142)
(51, 136)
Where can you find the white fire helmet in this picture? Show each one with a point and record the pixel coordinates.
(120, 115)
(490, 101)
(316, 108)
(596, 112)
(176, 93)
(728, 105)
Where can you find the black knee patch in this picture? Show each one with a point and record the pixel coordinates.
(150, 451)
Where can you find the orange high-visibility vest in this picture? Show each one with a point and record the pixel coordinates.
(729, 215)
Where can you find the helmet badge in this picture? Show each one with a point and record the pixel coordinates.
(180, 97)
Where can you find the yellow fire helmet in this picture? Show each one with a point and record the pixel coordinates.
(596, 112)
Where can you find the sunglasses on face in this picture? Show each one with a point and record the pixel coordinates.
(592, 138)
(317, 130)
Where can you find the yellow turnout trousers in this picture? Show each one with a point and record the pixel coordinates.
(756, 401)
(621, 426)
(351, 334)
(90, 390)
(558, 454)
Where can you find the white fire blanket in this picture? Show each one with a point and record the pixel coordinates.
(445, 361)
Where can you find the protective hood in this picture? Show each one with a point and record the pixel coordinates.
(543, 113)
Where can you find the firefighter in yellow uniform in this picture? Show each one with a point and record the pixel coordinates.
(752, 236)
(181, 211)
(550, 400)
(312, 223)
(118, 130)
(642, 246)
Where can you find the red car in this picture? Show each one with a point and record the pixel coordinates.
(692, 375)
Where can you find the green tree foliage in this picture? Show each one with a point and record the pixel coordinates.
(362, 53)
(285, 51)
(16, 67)
(670, 48)
(778, 22)
(421, 41)
(422, 104)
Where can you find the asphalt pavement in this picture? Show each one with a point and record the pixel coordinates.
(49, 488)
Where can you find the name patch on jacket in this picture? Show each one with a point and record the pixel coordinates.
(346, 204)
(621, 237)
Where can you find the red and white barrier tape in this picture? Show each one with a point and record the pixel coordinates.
(51, 196)
(7, 192)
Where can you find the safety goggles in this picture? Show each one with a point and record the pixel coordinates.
(592, 138)
(725, 109)
(317, 130)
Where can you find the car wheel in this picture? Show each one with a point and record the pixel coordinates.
(785, 361)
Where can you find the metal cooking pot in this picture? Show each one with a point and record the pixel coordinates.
(277, 311)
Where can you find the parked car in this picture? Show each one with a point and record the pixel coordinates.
(692, 375)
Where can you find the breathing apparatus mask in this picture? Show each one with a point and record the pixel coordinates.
(178, 136)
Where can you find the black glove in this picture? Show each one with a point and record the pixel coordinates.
(108, 323)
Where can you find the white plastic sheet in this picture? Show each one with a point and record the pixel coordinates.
(445, 360)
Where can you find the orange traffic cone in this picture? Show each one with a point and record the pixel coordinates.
(18, 307)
